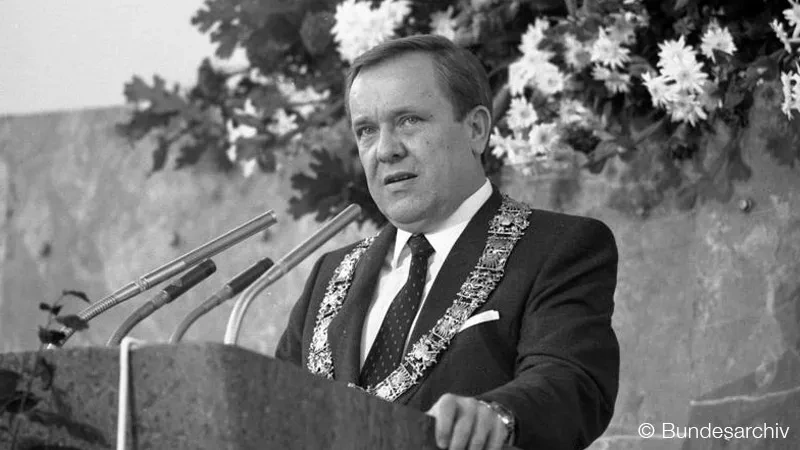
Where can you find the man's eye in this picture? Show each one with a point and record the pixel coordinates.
(410, 120)
(364, 131)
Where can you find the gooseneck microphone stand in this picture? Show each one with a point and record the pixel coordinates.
(188, 280)
(231, 289)
(286, 263)
(172, 268)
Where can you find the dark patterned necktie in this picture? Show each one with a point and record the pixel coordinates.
(387, 350)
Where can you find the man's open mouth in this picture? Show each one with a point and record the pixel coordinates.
(397, 177)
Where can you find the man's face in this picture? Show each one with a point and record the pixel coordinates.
(420, 162)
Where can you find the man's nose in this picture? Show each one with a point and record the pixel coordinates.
(390, 148)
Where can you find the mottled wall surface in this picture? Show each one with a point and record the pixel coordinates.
(82, 213)
(708, 300)
(707, 307)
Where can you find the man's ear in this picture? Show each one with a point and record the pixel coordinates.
(479, 123)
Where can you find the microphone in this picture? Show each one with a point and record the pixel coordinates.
(231, 288)
(172, 268)
(187, 281)
(285, 264)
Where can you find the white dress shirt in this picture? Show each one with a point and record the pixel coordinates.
(394, 271)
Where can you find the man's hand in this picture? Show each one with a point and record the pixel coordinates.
(464, 423)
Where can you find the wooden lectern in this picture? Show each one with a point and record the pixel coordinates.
(208, 396)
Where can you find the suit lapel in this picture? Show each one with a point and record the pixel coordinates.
(344, 333)
(455, 269)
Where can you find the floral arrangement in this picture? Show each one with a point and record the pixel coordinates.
(575, 85)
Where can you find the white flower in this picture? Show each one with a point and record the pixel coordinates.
(534, 67)
(793, 17)
(509, 146)
(395, 11)
(608, 51)
(518, 75)
(535, 70)
(571, 111)
(777, 27)
(614, 80)
(637, 20)
(358, 27)
(675, 53)
(576, 54)
(548, 79)
(600, 73)
(661, 92)
(791, 92)
(533, 36)
(249, 109)
(542, 140)
(520, 114)
(443, 23)
(690, 76)
(687, 108)
(256, 76)
(717, 38)
(618, 82)
(242, 130)
(231, 153)
(282, 123)
(500, 144)
(248, 167)
(232, 82)
(679, 63)
(304, 101)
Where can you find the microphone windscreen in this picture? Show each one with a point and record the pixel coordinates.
(190, 278)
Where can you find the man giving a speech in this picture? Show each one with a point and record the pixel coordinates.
(493, 317)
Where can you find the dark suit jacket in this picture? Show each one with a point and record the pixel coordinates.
(552, 358)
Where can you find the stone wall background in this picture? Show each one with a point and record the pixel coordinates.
(81, 212)
(707, 306)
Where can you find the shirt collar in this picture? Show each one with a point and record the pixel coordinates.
(444, 237)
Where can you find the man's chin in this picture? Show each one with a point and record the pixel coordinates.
(413, 220)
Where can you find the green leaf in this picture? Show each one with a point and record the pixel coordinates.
(79, 294)
(318, 192)
(8, 384)
(231, 21)
(159, 99)
(55, 310)
(331, 188)
(315, 32)
(733, 98)
(266, 99)
(82, 431)
(210, 87)
(141, 123)
(640, 135)
(601, 153)
(21, 402)
(44, 306)
(73, 321)
(54, 337)
(160, 154)
(45, 371)
(190, 154)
